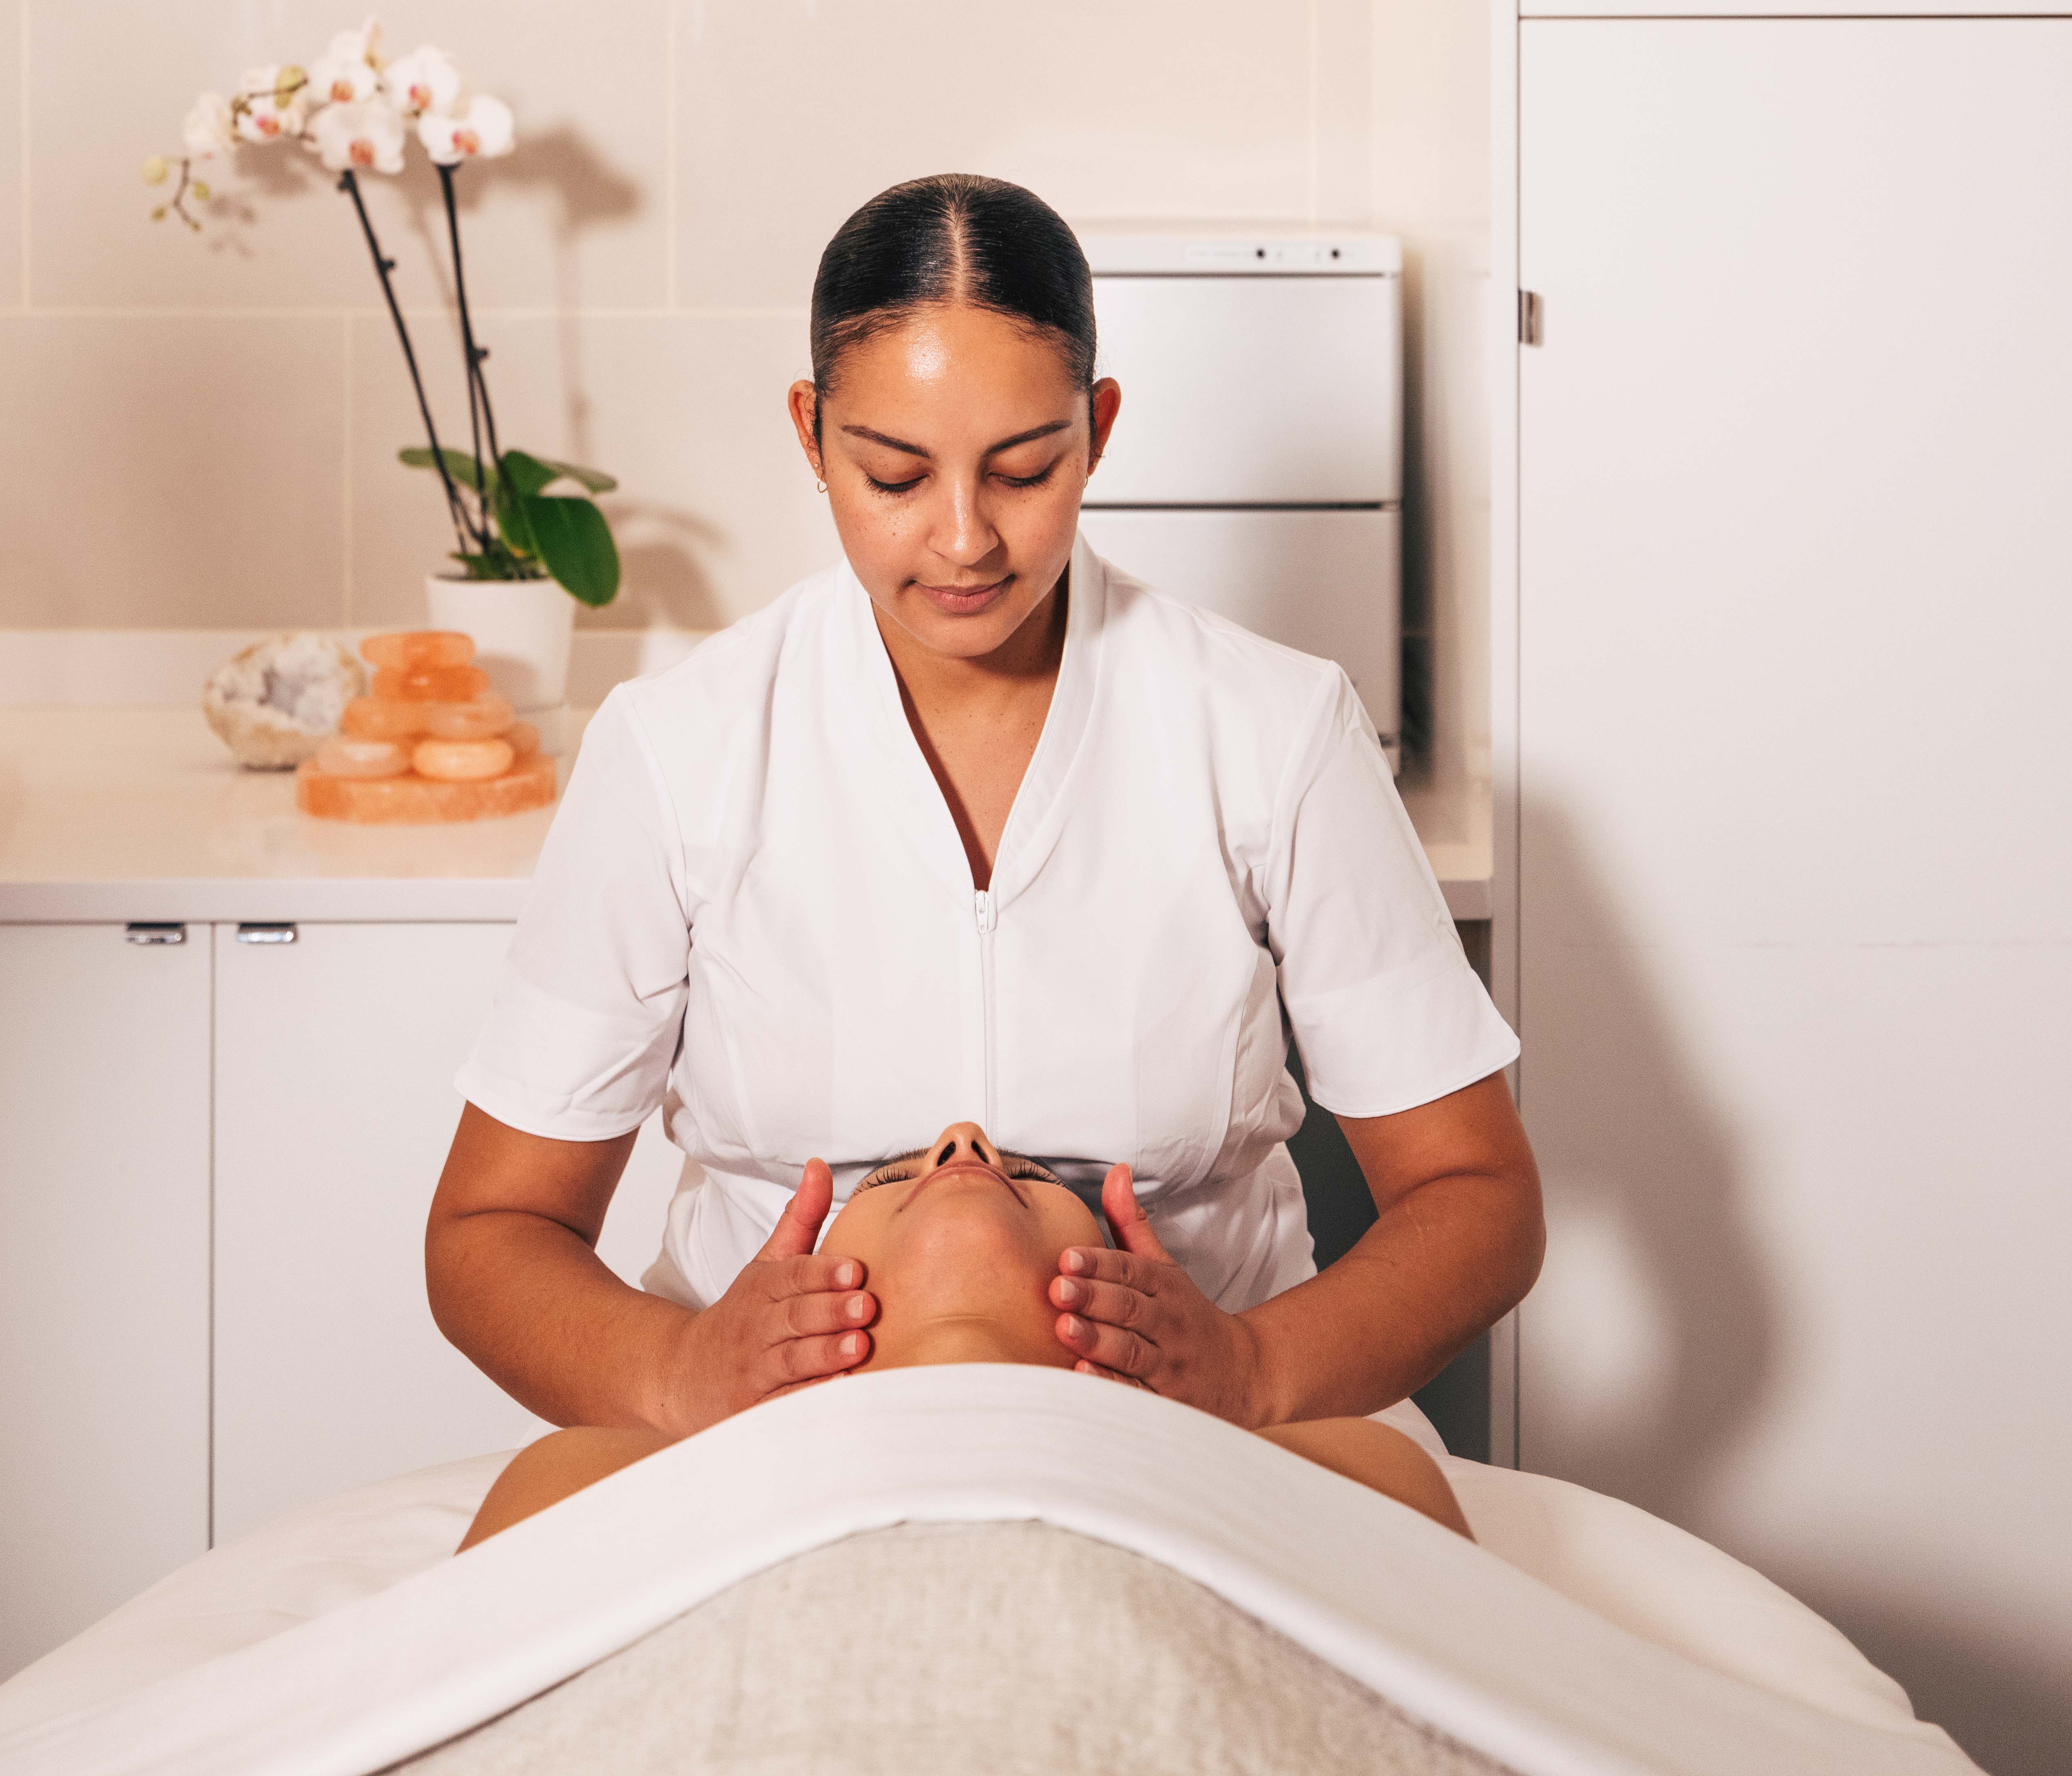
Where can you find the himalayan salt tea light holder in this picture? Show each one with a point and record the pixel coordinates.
(432, 743)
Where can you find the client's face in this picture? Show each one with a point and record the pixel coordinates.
(960, 1243)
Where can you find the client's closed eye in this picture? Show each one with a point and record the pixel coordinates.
(898, 1171)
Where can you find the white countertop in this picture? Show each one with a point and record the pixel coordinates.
(124, 815)
(143, 814)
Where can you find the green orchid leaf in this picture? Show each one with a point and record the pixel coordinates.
(459, 464)
(527, 474)
(575, 544)
(509, 506)
(595, 479)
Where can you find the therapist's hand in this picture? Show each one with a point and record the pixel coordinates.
(1135, 1316)
(791, 1317)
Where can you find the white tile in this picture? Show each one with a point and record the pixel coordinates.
(716, 514)
(1431, 64)
(793, 112)
(181, 471)
(574, 216)
(13, 96)
(1341, 185)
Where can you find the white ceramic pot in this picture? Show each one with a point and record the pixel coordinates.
(521, 630)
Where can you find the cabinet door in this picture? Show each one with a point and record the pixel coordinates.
(103, 1272)
(335, 1055)
(1796, 869)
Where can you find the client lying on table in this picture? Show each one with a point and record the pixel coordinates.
(961, 1244)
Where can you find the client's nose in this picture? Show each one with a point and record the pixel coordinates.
(961, 1141)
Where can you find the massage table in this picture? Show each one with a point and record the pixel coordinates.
(977, 1568)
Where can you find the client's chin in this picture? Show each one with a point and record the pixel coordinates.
(963, 1281)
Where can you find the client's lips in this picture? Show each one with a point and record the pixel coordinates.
(974, 1166)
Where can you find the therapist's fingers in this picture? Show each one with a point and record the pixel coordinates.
(1098, 1264)
(798, 1360)
(814, 1274)
(1112, 1347)
(799, 1227)
(1113, 1303)
(1083, 1367)
(823, 1313)
(1126, 1219)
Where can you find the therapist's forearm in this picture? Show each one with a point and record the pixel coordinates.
(531, 1304)
(1434, 1272)
(1457, 1242)
(515, 1281)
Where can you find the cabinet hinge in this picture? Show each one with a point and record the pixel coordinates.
(1529, 325)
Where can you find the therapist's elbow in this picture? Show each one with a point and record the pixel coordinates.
(1519, 1237)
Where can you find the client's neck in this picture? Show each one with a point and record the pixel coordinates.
(966, 1337)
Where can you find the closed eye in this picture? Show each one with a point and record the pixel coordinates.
(899, 1170)
(1016, 481)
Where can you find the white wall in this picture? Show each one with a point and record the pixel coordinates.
(200, 432)
(1795, 874)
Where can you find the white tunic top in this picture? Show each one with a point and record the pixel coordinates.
(753, 910)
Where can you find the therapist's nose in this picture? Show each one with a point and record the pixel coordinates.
(962, 1141)
(962, 534)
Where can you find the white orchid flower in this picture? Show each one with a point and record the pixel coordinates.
(481, 132)
(365, 137)
(207, 132)
(350, 71)
(271, 103)
(425, 79)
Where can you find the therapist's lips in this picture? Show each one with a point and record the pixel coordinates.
(964, 600)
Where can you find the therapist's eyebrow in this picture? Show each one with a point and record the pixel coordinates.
(991, 450)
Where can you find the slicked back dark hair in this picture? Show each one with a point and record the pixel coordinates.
(953, 238)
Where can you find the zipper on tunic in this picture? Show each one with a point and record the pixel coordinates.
(982, 907)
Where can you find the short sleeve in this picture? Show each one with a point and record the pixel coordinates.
(1387, 1012)
(589, 1012)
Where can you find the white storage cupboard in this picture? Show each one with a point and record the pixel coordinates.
(103, 1272)
(1792, 863)
(219, 1144)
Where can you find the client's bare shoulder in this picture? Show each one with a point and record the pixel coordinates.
(545, 1473)
(1377, 1456)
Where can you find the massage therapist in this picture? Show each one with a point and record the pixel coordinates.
(973, 827)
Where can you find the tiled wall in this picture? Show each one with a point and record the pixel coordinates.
(200, 431)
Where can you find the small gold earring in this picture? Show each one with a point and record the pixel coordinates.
(819, 486)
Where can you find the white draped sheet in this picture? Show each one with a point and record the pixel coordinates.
(1715, 1671)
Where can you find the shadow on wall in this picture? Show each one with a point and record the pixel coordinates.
(1655, 1332)
(1652, 1334)
(2007, 1708)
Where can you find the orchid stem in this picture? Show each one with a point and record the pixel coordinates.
(348, 183)
(478, 384)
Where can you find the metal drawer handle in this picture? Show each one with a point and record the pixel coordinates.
(142, 931)
(265, 934)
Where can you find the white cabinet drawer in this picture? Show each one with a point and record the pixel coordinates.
(103, 1272)
(335, 1106)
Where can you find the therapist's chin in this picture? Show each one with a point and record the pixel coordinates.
(968, 627)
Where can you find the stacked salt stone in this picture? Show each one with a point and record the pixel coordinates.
(432, 743)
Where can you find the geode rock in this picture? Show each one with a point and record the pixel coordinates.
(271, 703)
